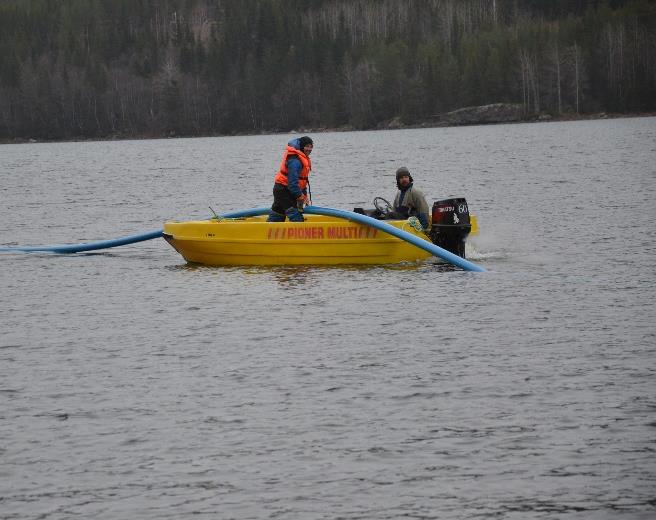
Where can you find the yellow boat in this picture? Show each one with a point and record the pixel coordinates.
(325, 238)
(328, 236)
(320, 240)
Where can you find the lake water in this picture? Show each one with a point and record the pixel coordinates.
(133, 385)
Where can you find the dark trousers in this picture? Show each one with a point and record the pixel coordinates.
(284, 206)
(282, 199)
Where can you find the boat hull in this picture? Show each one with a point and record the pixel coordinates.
(320, 240)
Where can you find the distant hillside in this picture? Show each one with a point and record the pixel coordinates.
(102, 68)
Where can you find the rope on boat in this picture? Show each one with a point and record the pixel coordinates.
(414, 223)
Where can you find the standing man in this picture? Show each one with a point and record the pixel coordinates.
(409, 201)
(290, 183)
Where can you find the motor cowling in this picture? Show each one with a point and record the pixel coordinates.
(450, 225)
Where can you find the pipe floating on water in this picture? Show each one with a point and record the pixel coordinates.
(89, 246)
(116, 242)
(445, 255)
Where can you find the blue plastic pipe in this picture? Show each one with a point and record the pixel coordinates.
(115, 242)
(445, 255)
(442, 253)
(89, 246)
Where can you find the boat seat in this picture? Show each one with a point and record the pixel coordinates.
(373, 213)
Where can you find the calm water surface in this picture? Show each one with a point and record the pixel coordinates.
(133, 385)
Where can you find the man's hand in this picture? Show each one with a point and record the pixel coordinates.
(301, 202)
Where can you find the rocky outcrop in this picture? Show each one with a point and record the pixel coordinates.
(495, 113)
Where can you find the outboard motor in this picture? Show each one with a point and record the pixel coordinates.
(450, 225)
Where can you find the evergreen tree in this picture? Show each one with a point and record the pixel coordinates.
(95, 68)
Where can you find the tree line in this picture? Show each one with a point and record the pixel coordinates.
(129, 68)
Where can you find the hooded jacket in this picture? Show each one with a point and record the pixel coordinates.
(294, 170)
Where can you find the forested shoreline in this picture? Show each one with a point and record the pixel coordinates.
(80, 69)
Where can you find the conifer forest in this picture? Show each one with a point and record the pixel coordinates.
(134, 68)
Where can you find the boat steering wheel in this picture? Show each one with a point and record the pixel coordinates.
(383, 205)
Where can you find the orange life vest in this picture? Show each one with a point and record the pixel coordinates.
(306, 166)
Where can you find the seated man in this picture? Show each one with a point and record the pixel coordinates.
(409, 201)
